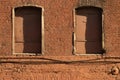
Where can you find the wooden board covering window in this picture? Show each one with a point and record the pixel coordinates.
(88, 30)
(27, 30)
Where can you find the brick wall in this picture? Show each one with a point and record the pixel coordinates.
(58, 61)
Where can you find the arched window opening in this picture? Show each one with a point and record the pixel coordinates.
(88, 30)
(27, 29)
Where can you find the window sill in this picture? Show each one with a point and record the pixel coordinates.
(26, 54)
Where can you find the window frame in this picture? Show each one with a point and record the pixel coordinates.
(74, 33)
(42, 29)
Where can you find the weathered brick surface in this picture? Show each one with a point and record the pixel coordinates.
(59, 24)
(59, 27)
(58, 68)
(111, 27)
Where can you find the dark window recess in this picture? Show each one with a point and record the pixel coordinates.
(27, 30)
(88, 30)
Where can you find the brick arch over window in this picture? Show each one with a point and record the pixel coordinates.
(88, 30)
(27, 30)
(95, 3)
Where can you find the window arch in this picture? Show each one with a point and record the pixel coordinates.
(27, 30)
(88, 30)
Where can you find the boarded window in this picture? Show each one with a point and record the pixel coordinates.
(88, 30)
(27, 30)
